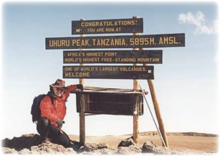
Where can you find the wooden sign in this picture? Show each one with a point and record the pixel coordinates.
(108, 26)
(109, 72)
(113, 56)
(115, 103)
(142, 41)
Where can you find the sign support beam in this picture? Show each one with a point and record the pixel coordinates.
(82, 112)
(157, 110)
(135, 115)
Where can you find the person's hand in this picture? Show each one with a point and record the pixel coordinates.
(79, 86)
(59, 122)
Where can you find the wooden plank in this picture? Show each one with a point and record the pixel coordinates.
(141, 41)
(135, 113)
(88, 89)
(82, 130)
(81, 81)
(108, 89)
(82, 119)
(113, 56)
(157, 111)
(108, 72)
(107, 26)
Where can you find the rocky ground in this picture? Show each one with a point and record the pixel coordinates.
(28, 144)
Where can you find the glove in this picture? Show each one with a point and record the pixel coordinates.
(59, 122)
(79, 86)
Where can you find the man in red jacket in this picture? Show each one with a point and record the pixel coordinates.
(53, 111)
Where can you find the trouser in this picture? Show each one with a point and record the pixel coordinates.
(47, 130)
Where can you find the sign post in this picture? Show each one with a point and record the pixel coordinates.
(82, 104)
(157, 111)
(135, 115)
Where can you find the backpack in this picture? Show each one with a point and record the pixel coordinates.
(35, 108)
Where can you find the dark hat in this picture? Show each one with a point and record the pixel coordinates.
(59, 83)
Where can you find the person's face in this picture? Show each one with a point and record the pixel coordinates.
(58, 91)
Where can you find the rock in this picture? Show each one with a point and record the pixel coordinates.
(7, 150)
(127, 142)
(51, 148)
(123, 150)
(93, 148)
(19, 143)
(102, 145)
(107, 151)
(24, 151)
(88, 147)
(148, 147)
(133, 149)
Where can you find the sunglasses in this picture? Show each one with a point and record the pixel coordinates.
(60, 89)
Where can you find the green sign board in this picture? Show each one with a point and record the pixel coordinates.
(142, 41)
(132, 25)
(113, 56)
(109, 72)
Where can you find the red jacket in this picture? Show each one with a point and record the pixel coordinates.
(57, 109)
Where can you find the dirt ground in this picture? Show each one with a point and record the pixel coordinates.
(196, 144)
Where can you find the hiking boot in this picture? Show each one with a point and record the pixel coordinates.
(75, 145)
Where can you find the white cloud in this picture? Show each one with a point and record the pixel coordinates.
(200, 22)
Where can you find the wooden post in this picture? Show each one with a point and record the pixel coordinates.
(157, 111)
(135, 114)
(81, 81)
(82, 106)
(82, 119)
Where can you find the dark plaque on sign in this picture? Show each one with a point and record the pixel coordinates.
(111, 103)
(113, 56)
(142, 41)
(108, 26)
(109, 72)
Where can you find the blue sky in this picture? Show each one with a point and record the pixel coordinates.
(186, 82)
